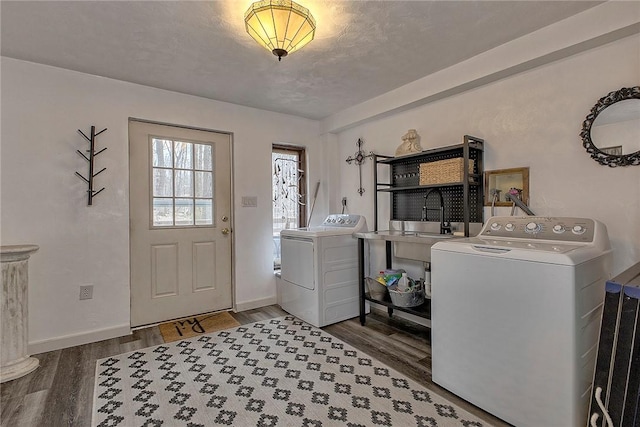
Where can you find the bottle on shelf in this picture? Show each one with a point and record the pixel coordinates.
(403, 283)
(427, 280)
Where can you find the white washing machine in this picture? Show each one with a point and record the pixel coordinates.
(516, 314)
(319, 270)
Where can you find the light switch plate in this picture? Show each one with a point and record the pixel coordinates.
(249, 201)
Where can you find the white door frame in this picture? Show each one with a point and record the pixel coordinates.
(231, 207)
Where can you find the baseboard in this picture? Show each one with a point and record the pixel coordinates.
(37, 347)
(256, 303)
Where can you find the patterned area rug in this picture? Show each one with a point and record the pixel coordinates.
(280, 372)
(198, 325)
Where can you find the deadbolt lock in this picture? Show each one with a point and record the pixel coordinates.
(225, 218)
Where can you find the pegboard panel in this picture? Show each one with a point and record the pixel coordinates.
(407, 205)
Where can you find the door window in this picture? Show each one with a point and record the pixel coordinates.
(182, 183)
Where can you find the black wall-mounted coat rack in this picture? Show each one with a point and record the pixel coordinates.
(91, 193)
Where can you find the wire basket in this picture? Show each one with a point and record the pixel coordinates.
(408, 299)
(443, 171)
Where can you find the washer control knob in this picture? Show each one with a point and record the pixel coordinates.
(578, 229)
(532, 227)
(509, 227)
(341, 220)
(495, 226)
(558, 229)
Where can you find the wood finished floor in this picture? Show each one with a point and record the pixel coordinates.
(60, 391)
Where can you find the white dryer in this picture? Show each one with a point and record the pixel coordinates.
(319, 270)
(516, 314)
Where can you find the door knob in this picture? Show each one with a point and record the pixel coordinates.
(225, 231)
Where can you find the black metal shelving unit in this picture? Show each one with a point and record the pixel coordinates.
(463, 202)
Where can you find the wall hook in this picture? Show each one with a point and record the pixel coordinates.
(91, 193)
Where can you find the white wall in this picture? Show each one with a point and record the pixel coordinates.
(44, 203)
(530, 119)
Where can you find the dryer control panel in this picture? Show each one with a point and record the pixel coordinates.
(341, 220)
(565, 229)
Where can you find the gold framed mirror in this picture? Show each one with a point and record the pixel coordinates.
(498, 183)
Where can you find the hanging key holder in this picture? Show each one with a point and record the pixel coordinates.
(92, 153)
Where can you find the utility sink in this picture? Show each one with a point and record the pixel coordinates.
(418, 244)
(421, 235)
(427, 235)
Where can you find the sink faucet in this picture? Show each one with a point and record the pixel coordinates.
(495, 197)
(445, 227)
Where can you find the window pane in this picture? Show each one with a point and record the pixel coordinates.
(184, 155)
(204, 212)
(162, 152)
(182, 171)
(203, 157)
(285, 191)
(288, 183)
(184, 183)
(204, 184)
(162, 212)
(162, 182)
(184, 211)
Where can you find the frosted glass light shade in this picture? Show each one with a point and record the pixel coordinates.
(281, 26)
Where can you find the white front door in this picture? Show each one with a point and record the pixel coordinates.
(180, 213)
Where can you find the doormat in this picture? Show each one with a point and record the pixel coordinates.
(279, 372)
(193, 326)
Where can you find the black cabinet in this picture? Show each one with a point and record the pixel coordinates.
(462, 199)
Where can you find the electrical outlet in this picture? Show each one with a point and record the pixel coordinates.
(86, 292)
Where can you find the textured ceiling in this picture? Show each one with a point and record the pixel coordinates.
(362, 48)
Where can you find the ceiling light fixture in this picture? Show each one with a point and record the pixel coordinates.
(281, 26)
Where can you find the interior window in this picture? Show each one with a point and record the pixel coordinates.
(289, 192)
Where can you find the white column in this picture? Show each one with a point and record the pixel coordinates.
(14, 360)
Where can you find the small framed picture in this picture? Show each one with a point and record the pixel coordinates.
(498, 183)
